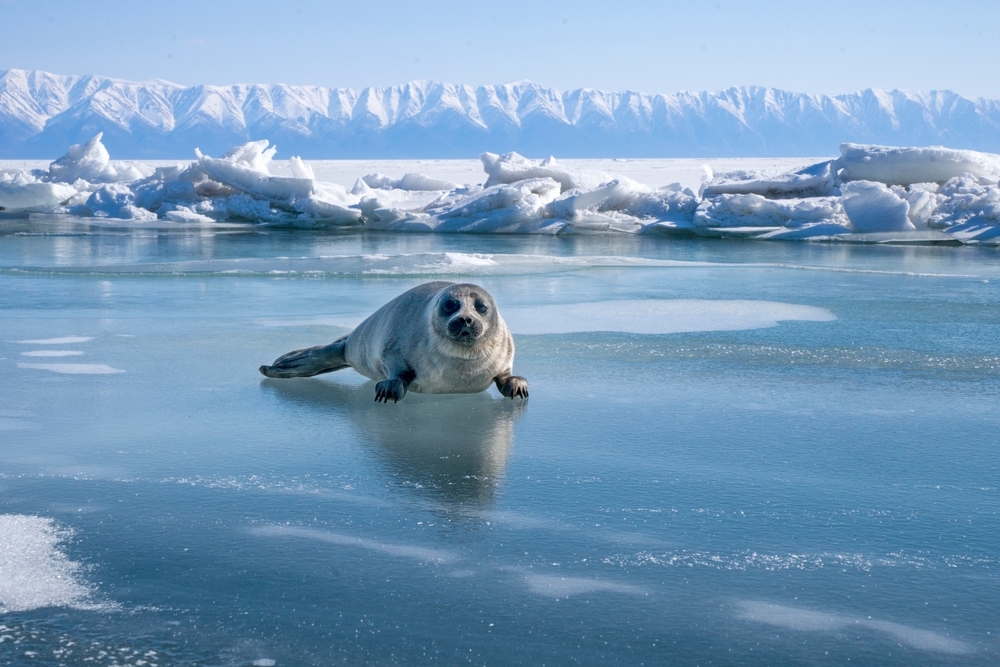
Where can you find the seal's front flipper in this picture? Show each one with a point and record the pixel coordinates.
(308, 362)
(512, 386)
(394, 388)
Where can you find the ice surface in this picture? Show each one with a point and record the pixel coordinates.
(648, 478)
(34, 570)
(658, 316)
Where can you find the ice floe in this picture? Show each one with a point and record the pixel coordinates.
(61, 340)
(869, 193)
(873, 207)
(905, 166)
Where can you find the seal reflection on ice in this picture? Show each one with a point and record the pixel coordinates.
(437, 338)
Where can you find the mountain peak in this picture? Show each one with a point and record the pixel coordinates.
(41, 113)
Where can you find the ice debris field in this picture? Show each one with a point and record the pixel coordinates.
(870, 193)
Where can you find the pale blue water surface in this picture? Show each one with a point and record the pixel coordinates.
(819, 491)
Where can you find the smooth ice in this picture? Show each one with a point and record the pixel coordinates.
(733, 453)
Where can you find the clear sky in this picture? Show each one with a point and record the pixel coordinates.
(656, 47)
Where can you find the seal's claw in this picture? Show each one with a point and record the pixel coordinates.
(387, 390)
(276, 372)
(513, 387)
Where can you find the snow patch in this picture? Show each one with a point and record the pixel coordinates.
(35, 570)
(74, 369)
(805, 620)
(51, 353)
(62, 340)
(423, 554)
(562, 587)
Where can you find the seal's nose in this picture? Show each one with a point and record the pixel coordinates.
(466, 320)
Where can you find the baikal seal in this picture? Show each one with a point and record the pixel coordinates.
(437, 338)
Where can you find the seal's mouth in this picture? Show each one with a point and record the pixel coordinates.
(464, 329)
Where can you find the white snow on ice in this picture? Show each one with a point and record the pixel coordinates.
(74, 369)
(804, 620)
(423, 554)
(34, 570)
(658, 316)
(51, 353)
(64, 340)
(562, 587)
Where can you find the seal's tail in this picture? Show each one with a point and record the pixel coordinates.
(309, 362)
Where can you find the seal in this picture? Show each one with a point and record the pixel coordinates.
(437, 338)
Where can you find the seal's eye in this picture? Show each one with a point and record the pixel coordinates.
(450, 306)
(481, 308)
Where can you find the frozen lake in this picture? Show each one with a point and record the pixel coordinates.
(734, 453)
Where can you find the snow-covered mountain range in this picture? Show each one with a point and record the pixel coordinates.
(42, 113)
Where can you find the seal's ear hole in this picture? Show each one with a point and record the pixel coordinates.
(481, 308)
(450, 306)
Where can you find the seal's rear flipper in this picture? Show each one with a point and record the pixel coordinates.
(308, 362)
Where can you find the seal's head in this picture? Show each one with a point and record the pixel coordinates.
(464, 314)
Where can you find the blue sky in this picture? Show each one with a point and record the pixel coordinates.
(656, 47)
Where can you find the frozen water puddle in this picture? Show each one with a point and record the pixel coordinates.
(804, 620)
(659, 316)
(35, 570)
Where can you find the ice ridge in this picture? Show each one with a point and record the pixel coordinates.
(870, 193)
